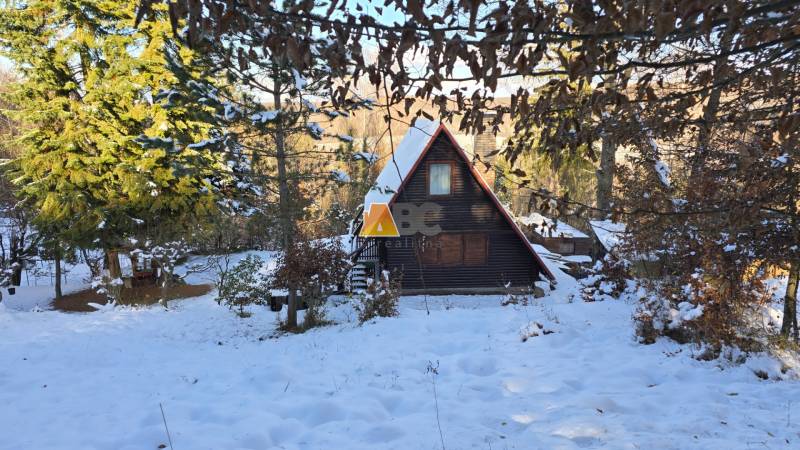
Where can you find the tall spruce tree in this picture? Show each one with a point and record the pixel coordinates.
(104, 156)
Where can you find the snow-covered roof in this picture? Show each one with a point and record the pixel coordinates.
(399, 167)
(609, 233)
(551, 228)
(406, 155)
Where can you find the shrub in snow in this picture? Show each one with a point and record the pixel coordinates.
(608, 279)
(244, 285)
(651, 318)
(379, 299)
(706, 309)
(517, 297)
(711, 234)
(315, 269)
(221, 265)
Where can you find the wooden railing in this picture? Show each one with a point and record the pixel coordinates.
(368, 249)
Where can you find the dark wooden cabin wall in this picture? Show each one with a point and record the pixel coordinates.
(467, 209)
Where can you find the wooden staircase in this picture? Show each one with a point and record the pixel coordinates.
(366, 259)
(359, 275)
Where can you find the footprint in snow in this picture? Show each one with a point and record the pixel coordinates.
(481, 367)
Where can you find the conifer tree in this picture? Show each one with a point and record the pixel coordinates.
(104, 155)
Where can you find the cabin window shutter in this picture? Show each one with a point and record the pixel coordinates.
(454, 249)
(475, 249)
(451, 250)
(428, 248)
(439, 179)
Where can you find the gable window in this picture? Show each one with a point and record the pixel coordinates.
(439, 179)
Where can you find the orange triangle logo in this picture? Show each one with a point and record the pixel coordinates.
(378, 222)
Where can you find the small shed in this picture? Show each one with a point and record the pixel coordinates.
(608, 235)
(555, 235)
(608, 239)
(137, 269)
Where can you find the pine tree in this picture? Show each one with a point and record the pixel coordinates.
(551, 167)
(103, 156)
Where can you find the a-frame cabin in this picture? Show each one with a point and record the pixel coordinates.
(455, 236)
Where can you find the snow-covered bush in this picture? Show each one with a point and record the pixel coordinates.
(651, 318)
(379, 299)
(608, 279)
(711, 233)
(704, 308)
(244, 285)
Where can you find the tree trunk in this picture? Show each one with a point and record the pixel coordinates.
(712, 107)
(287, 222)
(789, 325)
(57, 258)
(112, 264)
(16, 250)
(605, 176)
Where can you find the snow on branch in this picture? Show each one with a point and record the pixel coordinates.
(368, 157)
(663, 172)
(299, 81)
(315, 130)
(339, 176)
(262, 117)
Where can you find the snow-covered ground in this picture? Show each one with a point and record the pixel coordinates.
(97, 381)
(37, 291)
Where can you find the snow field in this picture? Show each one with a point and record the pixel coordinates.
(95, 381)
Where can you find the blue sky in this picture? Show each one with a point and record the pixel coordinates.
(388, 16)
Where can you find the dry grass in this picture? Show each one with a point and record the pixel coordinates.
(142, 295)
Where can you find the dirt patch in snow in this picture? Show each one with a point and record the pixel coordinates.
(141, 295)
